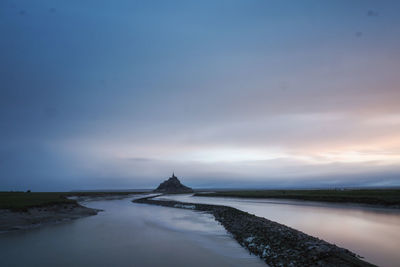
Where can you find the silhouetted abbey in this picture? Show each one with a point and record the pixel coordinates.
(173, 185)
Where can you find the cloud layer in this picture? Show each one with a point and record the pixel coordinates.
(234, 94)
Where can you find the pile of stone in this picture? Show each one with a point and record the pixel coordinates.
(276, 244)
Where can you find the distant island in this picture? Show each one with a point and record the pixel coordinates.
(172, 186)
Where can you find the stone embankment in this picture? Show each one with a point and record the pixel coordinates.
(276, 244)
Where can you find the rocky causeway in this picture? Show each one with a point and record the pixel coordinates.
(274, 243)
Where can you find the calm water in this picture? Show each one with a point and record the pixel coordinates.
(370, 232)
(127, 234)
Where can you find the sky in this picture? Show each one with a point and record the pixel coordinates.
(99, 94)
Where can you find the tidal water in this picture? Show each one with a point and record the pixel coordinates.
(373, 233)
(127, 234)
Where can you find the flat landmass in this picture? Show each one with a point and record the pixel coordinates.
(22, 210)
(382, 197)
(21, 201)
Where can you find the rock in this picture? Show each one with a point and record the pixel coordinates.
(173, 185)
(274, 243)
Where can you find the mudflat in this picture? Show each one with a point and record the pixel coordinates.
(22, 210)
(36, 216)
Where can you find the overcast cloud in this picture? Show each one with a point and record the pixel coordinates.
(118, 94)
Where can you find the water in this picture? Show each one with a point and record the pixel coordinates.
(127, 234)
(373, 233)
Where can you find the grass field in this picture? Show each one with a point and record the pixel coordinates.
(24, 200)
(387, 197)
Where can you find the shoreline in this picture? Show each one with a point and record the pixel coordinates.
(382, 198)
(274, 243)
(33, 217)
(67, 208)
(315, 203)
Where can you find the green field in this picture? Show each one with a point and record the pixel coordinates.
(24, 200)
(386, 197)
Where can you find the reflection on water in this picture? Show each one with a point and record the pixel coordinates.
(127, 234)
(370, 232)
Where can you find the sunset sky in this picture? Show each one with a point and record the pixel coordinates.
(102, 94)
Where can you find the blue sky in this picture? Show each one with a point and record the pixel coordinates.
(118, 94)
